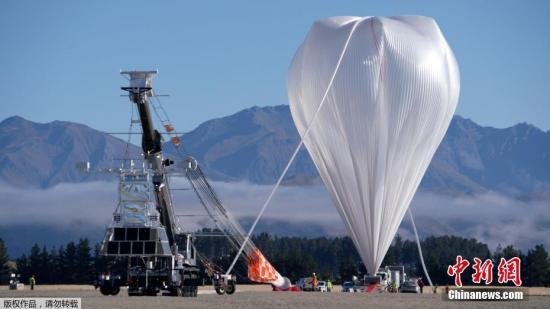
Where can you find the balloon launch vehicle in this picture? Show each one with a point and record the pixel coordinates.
(144, 230)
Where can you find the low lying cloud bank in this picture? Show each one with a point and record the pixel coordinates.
(491, 218)
(64, 205)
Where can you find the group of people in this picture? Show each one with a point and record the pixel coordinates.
(315, 283)
(14, 281)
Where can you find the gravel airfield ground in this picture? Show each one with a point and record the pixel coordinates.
(262, 297)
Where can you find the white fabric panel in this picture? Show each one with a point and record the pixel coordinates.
(387, 110)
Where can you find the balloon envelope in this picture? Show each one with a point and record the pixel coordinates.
(393, 85)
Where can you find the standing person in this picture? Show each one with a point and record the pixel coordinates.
(314, 281)
(421, 285)
(329, 285)
(32, 282)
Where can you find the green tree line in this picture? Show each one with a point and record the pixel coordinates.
(332, 258)
(74, 263)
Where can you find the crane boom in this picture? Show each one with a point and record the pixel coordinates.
(139, 92)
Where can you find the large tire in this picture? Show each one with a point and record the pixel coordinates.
(105, 290)
(230, 289)
(220, 290)
(189, 291)
(115, 291)
(134, 292)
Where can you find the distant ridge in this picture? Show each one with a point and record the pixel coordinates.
(42, 155)
(254, 145)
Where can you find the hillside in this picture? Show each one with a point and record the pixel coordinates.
(253, 145)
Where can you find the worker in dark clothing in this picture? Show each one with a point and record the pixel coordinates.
(421, 285)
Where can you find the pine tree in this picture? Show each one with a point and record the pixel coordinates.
(85, 266)
(35, 262)
(498, 252)
(509, 252)
(43, 269)
(70, 263)
(24, 267)
(60, 274)
(391, 257)
(348, 269)
(4, 268)
(53, 267)
(398, 248)
(537, 267)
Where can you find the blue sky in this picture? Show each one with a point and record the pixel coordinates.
(60, 59)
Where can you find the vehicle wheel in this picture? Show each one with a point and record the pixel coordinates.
(115, 291)
(191, 291)
(105, 290)
(220, 290)
(230, 289)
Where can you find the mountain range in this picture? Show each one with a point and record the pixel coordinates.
(254, 145)
(42, 155)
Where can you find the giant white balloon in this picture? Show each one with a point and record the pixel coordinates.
(389, 87)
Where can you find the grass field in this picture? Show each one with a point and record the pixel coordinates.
(260, 296)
